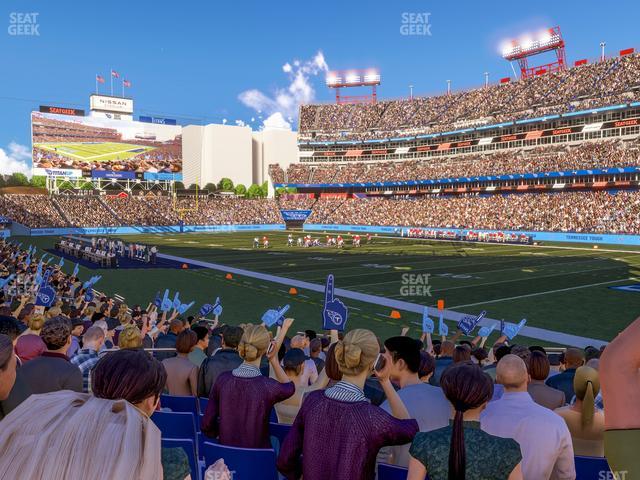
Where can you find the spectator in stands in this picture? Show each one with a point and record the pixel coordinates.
(71, 426)
(585, 421)
(223, 360)
(461, 354)
(198, 355)
(573, 358)
(315, 351)
(7, 366)
(427, 366)
(20, 390)
(168, 340)
(425, 403)
(542, 394)
(331, 366)
(87, 357)
(77, 327)
(130, 337)
(29, 344)
(309, 372)
(462, 449)
(323, 431)
(182, 374)
(52, 370)
(293, 365)
(245, 397)
(544, 438)
(619, 367)
(443, 361)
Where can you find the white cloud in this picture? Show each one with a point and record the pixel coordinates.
(284, 102)
(240, 123)
(16, 159)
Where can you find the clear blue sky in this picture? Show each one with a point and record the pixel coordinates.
(194, 59)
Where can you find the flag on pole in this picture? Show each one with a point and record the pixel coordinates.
(115, 74)
(99, 79)
(126, 83)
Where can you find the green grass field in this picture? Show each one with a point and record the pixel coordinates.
(95, 151)
(557, 287)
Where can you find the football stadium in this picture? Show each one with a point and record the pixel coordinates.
(438, 286)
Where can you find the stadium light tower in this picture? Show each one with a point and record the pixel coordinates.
(351, 79)
(448, 87)
(548, 40)
(602, 45)
(410, 92)
(486, 79)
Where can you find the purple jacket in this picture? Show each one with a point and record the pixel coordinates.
(339, 440)
(239, 408)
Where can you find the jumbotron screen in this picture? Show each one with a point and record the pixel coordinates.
(104, 147)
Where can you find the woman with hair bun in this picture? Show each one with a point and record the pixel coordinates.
(585, 422)
(462, 451)
(241, 400)
(338, 431)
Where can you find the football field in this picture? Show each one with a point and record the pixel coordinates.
(89, 151)
(560, 288)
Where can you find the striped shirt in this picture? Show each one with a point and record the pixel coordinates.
(346, 392)
(246, 370)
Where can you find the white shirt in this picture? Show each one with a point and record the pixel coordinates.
(309, 373)
(545, 441)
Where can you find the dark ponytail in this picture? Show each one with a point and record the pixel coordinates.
(467, 387)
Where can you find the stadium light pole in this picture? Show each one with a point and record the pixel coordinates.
(602, 45)
(410, 92)
(486, 79)
(448, 87)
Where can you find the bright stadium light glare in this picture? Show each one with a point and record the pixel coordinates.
(526, 42)
(353, 78)
(506, 49)
(332, 79)
(372, 76)
(544, 37)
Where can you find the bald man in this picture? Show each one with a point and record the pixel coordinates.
(545, 441)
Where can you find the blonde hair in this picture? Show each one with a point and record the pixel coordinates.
(128, 442)
(36, 323)
(357, 351)
(53, 312)
(130, 337)
(586, 384)
(254, 343)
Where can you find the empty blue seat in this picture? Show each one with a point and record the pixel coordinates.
(279, 431)
(391, 472)
(249, 463)
(203, 404)
(180, 425)
(189, 447)
(591, 468)
(179, 404)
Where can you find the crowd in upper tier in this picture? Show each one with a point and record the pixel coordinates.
(552, 158)
(81, 398)
(587, 86)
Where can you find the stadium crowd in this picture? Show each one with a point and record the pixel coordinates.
(582, 87)
(74, 379)
(565, 212)
(587, 155)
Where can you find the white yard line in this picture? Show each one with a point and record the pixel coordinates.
(506, 299)
(531, 332)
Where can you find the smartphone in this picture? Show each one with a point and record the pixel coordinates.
(272, 345)
(380, 363)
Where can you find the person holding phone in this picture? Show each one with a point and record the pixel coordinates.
(338, 431)
(241, 400)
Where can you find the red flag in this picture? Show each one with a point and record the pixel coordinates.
(115, 74)
(126, 83)
(99, 79)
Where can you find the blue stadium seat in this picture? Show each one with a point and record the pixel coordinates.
(278, 431)
(189, 447)
(391, 472)
(250, 463)
(202, 402)
(180, 425)
(591, 468)
(179, 404)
